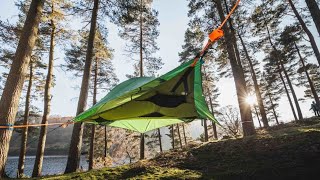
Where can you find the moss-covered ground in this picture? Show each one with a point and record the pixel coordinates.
(288, 151)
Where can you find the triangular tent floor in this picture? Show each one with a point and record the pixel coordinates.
(144, 104)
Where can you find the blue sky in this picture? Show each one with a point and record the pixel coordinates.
(173, 23)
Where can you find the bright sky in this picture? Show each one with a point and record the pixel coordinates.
(173, 23)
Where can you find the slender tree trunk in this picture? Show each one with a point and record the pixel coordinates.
(292, 91)
(105, 141)
(256, 86)
(257, 114)
(141, 146)
(241, 88)
(307, 31)
(273, 110)
(172, 136)
(13, 87)
(37, 168)
(93, 127)
(205, 126)
(313, 90)
(214, 127)
(24, 137)
(76, 139)
(184, 135)
(179, 135)
(288, 95)
(159, 137)
(141, 75)
(315, 12)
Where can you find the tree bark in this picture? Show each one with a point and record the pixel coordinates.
(46, 109)
(172, 137)
(241, 88)
(255, 109)
(256, 86)
(159, 137)
(307, 31)
(24, 137)
(315, 12)
(205, 126)
(313, 89)
(105, 142)
(13, 87)
(141, 146)
(179, 135)
(273, 110)
(184, 135)
(93, 127)
(76, 139)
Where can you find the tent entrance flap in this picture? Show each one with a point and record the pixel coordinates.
(152, 102)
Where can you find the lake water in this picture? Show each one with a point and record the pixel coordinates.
(51, 165)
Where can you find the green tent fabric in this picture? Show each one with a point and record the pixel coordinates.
(147, 103)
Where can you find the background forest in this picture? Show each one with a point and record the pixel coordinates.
(263, 72)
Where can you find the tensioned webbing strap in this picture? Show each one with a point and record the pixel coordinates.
(215, 35)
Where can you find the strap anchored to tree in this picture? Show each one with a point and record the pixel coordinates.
(214, 35)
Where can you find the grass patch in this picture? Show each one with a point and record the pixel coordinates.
(288, 151)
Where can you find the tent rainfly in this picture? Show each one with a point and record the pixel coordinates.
(146, 103)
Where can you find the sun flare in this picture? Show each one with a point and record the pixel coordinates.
(251, 100)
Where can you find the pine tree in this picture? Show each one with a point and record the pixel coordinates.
(290, 38)
(12, 89)
(139, 28)
(266, 19)
(306, 30)
(54, 16)
(76, 139)
(315, 12)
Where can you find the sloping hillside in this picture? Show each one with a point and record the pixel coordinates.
(290, 151)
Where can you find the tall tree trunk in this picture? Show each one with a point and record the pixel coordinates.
(292, 91)
(307, 31)
(281, 68)
(313, 90)
(76, 139)
(214, 127)
(179, 135)
(288, 95)
(172, 137)
(159, 137)
(93, 127)
(141, 146)
(13, 87)
(315, 12)
(141, 75)
(257, 114)
(273, 110)
(23, 146)
(105, 141)
(205, 126)
(241, 88)
(37, 168)
(256, 86)
(184, 135)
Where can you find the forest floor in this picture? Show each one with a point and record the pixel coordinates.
(287, 151)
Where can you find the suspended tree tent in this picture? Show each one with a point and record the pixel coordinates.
(146, 103)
